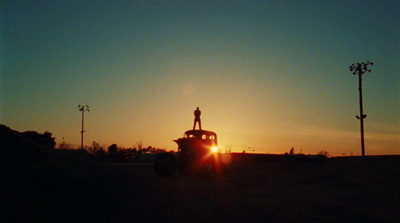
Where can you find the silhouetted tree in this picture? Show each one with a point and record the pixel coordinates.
(94, 148)
(323, 153)
(44, 139)
(113, 149)
(158, 150)
(139, 146)
(130, 154)
(64, 145)
(126, 154)
(291, 152)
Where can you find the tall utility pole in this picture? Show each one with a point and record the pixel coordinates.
(360, 69)
(83, 108)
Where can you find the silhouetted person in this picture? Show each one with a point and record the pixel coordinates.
(197, 114)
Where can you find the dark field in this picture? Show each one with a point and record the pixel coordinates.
(336, 190)
(53, 186)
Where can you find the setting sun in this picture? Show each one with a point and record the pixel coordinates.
(214, 149)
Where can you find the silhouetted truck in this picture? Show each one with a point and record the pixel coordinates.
(197, 153)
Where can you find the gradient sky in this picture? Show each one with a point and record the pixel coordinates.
(270, 75)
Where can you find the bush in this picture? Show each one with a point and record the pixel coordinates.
(323, 153)
(44, 139)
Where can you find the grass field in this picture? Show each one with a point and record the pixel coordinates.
(52, 186)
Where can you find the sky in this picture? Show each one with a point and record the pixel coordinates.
(267, 75)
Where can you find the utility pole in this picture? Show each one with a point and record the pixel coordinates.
(83, 108)
(360, 69)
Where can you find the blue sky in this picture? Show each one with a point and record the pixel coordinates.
(266, 74)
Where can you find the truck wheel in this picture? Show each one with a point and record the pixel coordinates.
(165, 164)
